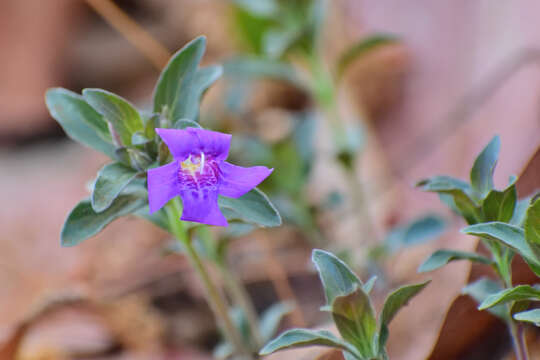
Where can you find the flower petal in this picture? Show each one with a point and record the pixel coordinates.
(236, 180)
(181, 143)
(213, 143)
(201, 206)
(162, 185)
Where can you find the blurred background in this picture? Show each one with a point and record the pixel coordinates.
(453, 75)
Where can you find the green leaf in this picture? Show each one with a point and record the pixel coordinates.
(354, 317)
(520, 212)
(176, 82)
(80, 122)
(361, 48)
(510, 236)
(482, 289)
(158, 218)
(416, 232)
(500, 205)
(111, 180)
(185, 123)
(518, 293)
(393, 303)
(532, 316)
(399, 298)
(253, 208)
(83, 222)
(461, 192)
(336, 277)
(271, 318)
(296, 338)
(257, 68)
(484, 166)
(532, 223)
(204, 78)
(442, 257)
(123, 116)
(368, 286)
(263, 8)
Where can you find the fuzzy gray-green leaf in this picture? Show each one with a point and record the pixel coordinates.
(510, 236)
(253, 208)
(518, 293)
(175, 84)
(111, 180)
(336, 277)
(484, 166)
(532, 316)
(296, 338)
(83, 222)
(442, 257)
(123, 116)
(79, 120)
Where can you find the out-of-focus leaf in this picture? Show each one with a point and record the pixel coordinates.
(271, 318)
(532, 224)
(442, 257)
(368, 286)
(185, 123)
(123, 116)
(83, 222)
(111, 180)
(393, 303)
(510, 236)
(354, 317)
(518, 293)
(361, 48)
(416, 232)
(253, 207)
(482, 289)
(336, 277)
(461, 193)
(158, 218)
(296, 338)
(203, 79)
(80, 122)
(257, 68)
(259, 8)
(484, 166)
(176, 82)
(500, 205)
(532, 316)
(520, 212)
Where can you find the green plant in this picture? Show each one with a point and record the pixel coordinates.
(363, 337)
(506, 226)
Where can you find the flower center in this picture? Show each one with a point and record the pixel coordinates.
(192, 165)
(197, 172)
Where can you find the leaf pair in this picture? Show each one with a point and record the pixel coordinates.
(348, 301)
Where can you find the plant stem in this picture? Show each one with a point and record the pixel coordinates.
(520, 347)
(515, 328)
(242, 300)
(214, 298)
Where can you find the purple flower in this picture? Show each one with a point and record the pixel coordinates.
(199, 173)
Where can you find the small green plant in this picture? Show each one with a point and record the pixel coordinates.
(507, 226)
(165, 168)
(363, 337)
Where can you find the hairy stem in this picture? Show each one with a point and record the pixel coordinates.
(214, 298)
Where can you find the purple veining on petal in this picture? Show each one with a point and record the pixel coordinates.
(202, 206)
(199, 175)
(237, 180)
